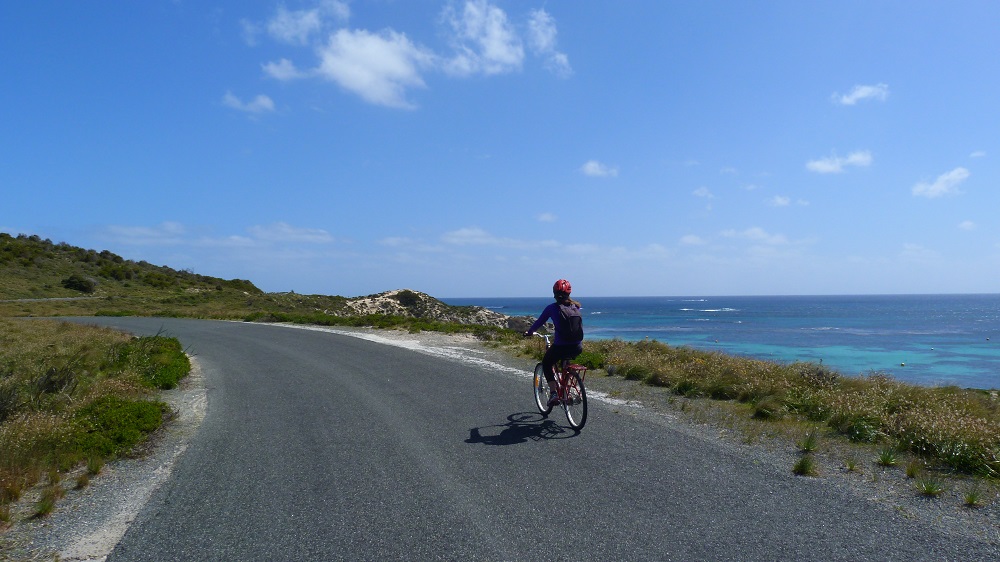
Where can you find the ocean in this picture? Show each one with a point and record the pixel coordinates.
(921, 339)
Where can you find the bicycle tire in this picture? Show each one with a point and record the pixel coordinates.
(575, 403)
(541, 389)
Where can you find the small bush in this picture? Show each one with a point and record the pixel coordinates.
(805, 466)
(77, 282)
(973, 496)
(113, 425)
(590, 359)
(769, 408)
(810, 442)
(160, 360)
(887, 457)
(930, 487)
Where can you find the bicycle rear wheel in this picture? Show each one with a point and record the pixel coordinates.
(541, 391)
(576, 401)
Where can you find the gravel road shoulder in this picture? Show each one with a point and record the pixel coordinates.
(87, 524)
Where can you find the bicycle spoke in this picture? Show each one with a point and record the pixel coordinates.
(575, 402)
(541, 389)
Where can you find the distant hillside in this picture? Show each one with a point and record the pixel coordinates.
(32, 268)
(42, 278)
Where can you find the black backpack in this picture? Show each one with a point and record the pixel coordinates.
(572, 324)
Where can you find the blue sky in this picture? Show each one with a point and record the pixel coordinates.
(489, 147)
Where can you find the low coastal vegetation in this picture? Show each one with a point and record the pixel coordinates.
(954, 429)
(71, 394)
(75, 396)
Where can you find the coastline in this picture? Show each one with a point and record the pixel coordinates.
(935, 340)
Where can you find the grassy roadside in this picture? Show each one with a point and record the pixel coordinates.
(935, 431)
(74, 395)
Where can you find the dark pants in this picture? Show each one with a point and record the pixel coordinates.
(557, 353)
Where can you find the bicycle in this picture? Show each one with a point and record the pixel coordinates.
(570, 389)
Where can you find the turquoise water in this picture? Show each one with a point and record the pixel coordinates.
(923, 339)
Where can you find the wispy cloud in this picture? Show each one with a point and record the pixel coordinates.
(176, 234)
(758, 235)
(783, 201)
(836, 164)
(945, 184)
(473, 236)
(547, 217)
(967, 225)
(596, 169)
(284, 232)
(163, 234)
(873, 92)
(918, 253)
(484, 39)
(283, 70)
(693, 240)
(258, 105)
(542, 39)
(703, 192)
(978, 154)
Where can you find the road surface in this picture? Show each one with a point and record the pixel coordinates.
(318, 446)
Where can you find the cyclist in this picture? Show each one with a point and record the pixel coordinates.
(568, 341)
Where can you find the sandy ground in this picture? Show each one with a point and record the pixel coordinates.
(88, 523)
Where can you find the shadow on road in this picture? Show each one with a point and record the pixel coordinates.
(521, 427)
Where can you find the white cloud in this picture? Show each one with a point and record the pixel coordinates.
(877, 92)
(967, 225)
(382, 67)
(250, 32)
(485, 40)
(945, 184)
(547, 217)
(692, 240)
(165, 234)
(258, 105)
(703, 192)
(918, 252)
(298, 26)
(473, 236)
(542, 39)
(377, 67)
(978, 154)
(282, 70)
(836, 164)
(284, 232)
(757, 234)
(779, 201)
(596, 169)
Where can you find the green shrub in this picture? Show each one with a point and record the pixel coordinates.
(160, 361)
(590, 359)
(77, 282)
(769, 408)
(112, 425)
(805, 466)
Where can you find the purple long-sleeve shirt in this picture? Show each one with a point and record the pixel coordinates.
(551, 312)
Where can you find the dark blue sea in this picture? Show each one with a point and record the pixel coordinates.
(922, 339)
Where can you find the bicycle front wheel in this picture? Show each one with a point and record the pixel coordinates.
(575, 402)
(541, 391)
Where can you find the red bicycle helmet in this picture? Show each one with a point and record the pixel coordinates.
(562, 286)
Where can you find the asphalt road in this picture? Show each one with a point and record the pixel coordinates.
(318, 446)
